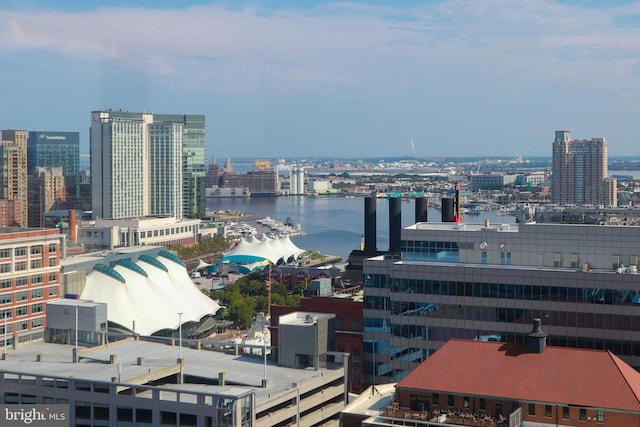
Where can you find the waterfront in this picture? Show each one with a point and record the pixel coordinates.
(333, 225)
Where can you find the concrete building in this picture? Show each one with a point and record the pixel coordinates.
(107, 234)
(579, 170)
(486, 282)
(170, 382)
(147, 164)
(29, 278)
(491, 181)
(348, 328)
(13, 170)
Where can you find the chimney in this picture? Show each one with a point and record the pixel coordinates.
(395, 223)
(537, 340)
(73, 227)
(370, 238)
(421, 214)
(447, 209)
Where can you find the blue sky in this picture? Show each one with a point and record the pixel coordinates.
(293, 79)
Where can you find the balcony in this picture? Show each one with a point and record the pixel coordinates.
(394, 415)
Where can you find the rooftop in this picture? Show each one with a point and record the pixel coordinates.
(244, 373)
(569, 376)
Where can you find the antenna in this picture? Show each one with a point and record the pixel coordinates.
(413, 148)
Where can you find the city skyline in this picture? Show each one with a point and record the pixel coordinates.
(342, 79)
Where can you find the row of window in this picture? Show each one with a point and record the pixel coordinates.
(22, 265)
(548, 412)
(565, 318)
(36, 279)
(418, 333)
(20, 296)
(505, 290)
(22, 250)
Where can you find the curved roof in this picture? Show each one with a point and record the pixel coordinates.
(147, 293)
(278, 250)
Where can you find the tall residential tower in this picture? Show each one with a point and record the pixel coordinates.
(580, 172)
(147, 164)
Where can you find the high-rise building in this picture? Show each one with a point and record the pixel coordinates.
(580, 168)
(487, 282)
(13, 170)
(147, 164)
(194, 145)
(47, 191)
(56, 149)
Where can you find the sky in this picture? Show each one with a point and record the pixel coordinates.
(304, 79)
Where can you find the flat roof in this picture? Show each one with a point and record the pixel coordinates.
(463, 226)
(243, 373)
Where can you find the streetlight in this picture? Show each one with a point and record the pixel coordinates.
(180, 335)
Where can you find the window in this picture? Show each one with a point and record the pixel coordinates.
(583, 414)
(21, 265)
(36, 263)
(5, 268)
(21, 251)
(52, 247)
(21, 281)
(23, 326)
(547, 411)
(36, 293)
(6, 298)
(565, 412)
(21, 296)
(53, 290)
(52, 261)
(355, 324)
(450, 400)
(37, 323)
(5, 253)
(532, 409)
(21, 311)
(53, 277)
(483, 403)
(35, 250)
(5, 284)
(435, 397)
(36, 278)
(37, 308)
(600, 415)
(466, 401)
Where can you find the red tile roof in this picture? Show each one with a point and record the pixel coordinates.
(590, 378)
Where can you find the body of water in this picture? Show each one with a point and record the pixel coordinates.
(334, 225)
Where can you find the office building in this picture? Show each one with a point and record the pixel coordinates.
(54, 149)
(580, 168)
(13, 170)
(29, 278)
(147, 164)
(487, 282)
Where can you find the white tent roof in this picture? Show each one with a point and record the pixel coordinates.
(202, 264)
(274, 249)
(149, 293)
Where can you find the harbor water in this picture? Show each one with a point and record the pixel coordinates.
(334, 225)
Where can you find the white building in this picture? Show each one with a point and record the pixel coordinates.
(110, 233)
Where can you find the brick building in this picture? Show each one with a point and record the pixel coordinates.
(29, 277)
(349, 328)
